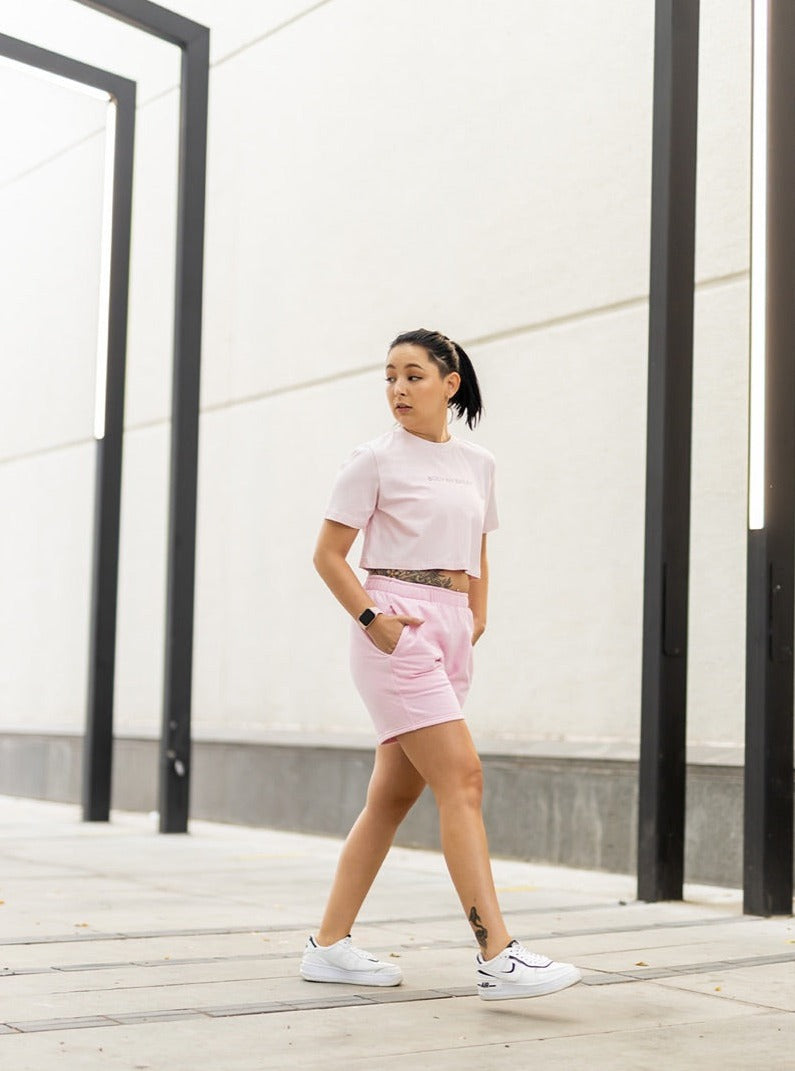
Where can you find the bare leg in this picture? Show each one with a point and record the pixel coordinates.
(446, 757)
(394, 788)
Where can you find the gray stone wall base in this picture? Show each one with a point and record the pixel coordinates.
(569, 811)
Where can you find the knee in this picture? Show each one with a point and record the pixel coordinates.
(392, 805)
(464, 788)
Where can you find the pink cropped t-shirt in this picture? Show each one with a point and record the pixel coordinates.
(422, 505)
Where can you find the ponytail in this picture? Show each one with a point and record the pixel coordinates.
(467, 400)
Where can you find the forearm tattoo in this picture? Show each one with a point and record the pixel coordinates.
(481, 933)
(434, 577)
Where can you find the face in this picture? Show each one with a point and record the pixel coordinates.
(416, 391)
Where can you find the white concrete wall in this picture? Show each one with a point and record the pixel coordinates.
(483, 169)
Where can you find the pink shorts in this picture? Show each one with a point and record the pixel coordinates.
(426, 678)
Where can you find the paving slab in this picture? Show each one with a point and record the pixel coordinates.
(770, 985)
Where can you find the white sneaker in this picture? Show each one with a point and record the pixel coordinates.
(341, 962)
(515, 972)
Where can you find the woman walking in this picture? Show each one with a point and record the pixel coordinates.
(425, 499)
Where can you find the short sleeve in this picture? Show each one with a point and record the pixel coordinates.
(354, 494)
(490, 518)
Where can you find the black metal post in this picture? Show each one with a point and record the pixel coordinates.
(661, 817)
(175, 741)
(98, 740)
(98, 745)
(768, 851)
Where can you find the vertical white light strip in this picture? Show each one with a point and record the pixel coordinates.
(756, 453)
(104, 273)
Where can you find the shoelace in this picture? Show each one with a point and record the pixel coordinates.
(348, 942)
(533, 959)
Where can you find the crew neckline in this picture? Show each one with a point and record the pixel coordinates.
(419, 438)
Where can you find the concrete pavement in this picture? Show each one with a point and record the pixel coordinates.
(121, 948)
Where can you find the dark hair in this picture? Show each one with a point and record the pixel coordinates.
(448, 356)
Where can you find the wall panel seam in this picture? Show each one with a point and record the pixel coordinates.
(250, 399)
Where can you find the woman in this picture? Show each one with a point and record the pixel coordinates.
(425, 500)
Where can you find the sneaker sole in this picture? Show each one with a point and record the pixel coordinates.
(515, 991)
(317, 973)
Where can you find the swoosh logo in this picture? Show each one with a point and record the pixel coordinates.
(533, 966)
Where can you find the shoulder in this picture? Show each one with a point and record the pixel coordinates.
(381, 442)
(364, 456)
(375, 447)
(478, 454)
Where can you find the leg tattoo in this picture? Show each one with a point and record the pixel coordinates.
(481, 933)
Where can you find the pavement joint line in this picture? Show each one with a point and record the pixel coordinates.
(111, 935)
(351, 1000)
(716, 965)
(81, 1022)
(650, 974)
(6, 972)
(363, 999)
(132, 1018)
(210, 931)
(673, 925)
(450, 943)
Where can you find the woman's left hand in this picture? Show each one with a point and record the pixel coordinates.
(477, 632)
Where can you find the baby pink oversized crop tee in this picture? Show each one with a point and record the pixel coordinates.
(422, 505)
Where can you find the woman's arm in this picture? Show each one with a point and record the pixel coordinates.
(479, 593)
(333, 544)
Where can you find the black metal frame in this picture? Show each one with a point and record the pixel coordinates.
(768, 821)
(194, 41)
(107, 494)
(661, 812)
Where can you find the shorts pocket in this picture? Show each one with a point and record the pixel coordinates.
(412, 644)
(400, 640)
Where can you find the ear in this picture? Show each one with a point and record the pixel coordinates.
(452, 383)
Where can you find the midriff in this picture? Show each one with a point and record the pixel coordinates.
(453, 579)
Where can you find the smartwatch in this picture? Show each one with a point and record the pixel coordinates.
(366, 617)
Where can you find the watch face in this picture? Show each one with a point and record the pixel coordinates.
(366, 617)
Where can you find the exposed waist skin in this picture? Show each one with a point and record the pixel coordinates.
(454, 579)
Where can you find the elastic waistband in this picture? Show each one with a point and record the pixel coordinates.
(421, 592)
